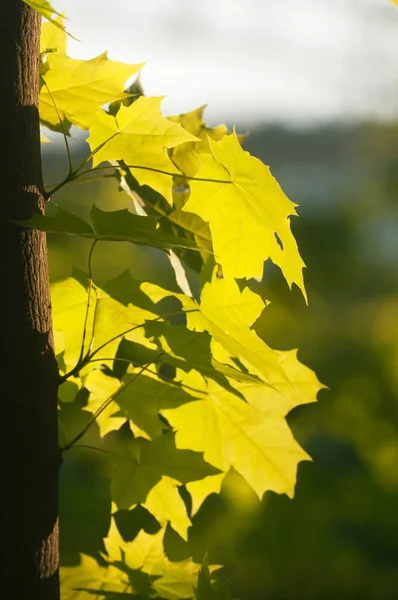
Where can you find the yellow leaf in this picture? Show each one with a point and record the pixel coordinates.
(227, 314)
(199, 490)
(140, 136)
(79, 88)
(166, 504)
(101, 388)
(53, 36)
(89, 574)
(256, 441)
(186, 156)
(247, 211)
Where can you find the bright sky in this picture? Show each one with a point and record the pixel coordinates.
(251, 60)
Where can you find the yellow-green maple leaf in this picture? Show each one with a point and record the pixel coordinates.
(199, 490)
(140, 136)
(247, 211)
(101, 388)
(227, 314)
(45, 9)
(255, 440)
(89, 574)
(79, 88)
(53, 36)
(186, 156)
(113, 320)
(166, 504)
(174, 580)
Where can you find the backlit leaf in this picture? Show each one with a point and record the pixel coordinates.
(166, 504)
(53, 36)
(140, 136)
(138, 465)
(90, 575)
(255, 441)
(247, 211)
(199, 490)
(116, 226)
(80, 88)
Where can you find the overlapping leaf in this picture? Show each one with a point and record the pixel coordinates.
(247, 211)
(255, 440)
(167, 579)
(112, 321)
(140, 136)
(138, 465)
(79, 88)
(46, 10)
(52, 36)
(117, 226)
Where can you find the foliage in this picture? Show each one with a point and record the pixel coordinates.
(179, 387)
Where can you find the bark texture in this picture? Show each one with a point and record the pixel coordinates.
(28, 369)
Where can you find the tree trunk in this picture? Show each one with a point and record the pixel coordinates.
(28, 369)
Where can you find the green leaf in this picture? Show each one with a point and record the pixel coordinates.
(143, 400)
(61, 221)
(247, 211)
(206, 590)
(140, 136)
(137, 465)
(116, 226)
(122, 225)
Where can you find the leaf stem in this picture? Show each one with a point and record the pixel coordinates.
(153, 169)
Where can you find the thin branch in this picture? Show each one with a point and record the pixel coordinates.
(61, 124)
(88, 179)
(88, 447)
(105, 405)
(169, 380)
(90, 287)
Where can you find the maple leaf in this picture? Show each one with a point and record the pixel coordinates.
(255, 440)
(79, 88)
(227, 314)
(170, 580)
(78, 582)
(53, 37)
(247, 211)
(166, 504)
(186, 156)
(137, 465)
(140, 136)
(106, 325)
(46, 10)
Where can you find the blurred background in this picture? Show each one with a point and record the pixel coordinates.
(316, 84)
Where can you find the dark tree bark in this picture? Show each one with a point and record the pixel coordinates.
(28, 369)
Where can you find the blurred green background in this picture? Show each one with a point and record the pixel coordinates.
(338, 538)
